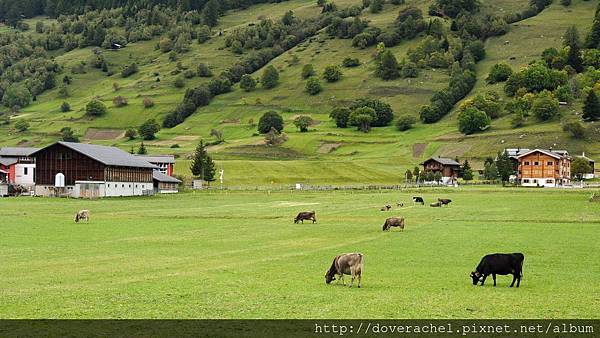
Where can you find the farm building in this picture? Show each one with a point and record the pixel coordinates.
(544, 168)
(165, 184)
(447, 167)
(86, 170)
(165, 163)
(591, 173)
(17, 166)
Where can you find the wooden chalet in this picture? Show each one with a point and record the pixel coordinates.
(447, 167)
(544, 168)
(86, 170)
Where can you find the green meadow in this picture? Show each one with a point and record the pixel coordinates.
(222, 254)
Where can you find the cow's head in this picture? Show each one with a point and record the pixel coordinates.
(296, 220)
(329, 276)
(477, 277)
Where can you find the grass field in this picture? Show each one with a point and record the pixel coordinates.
(238, 255)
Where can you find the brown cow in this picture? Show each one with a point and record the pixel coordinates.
(306, 215)
(346, 264)
(386, 208)
(394, 222)
(444, 201)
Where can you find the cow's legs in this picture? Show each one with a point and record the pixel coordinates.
(514, 279)
(353, 274)
(359, 278)
(518, 281)
(494, 276)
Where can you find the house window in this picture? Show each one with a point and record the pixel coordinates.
(535, 181)
(122, 185)
(536, 163)
(526, 181)
(25, 171)
(550, 163)
(130, 185)
(526, 162)
(549, 181)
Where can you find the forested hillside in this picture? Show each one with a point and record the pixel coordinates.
(313, 91)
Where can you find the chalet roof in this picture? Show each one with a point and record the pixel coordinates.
(17, 151)
(586, 158)
(443, 160)
(158, 176)
(8, 161)
(553, 153)
(110, 156)
(515, 152)
(158, 158)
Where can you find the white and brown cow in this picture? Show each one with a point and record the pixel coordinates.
(346, 264)
(82, 215)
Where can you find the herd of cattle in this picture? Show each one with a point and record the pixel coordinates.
(353, 263)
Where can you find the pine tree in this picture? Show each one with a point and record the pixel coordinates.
(591, 107)
(504, 166)
(593, 38)
(571, 40)
(210, 13)
(142, 149)
(202, 164)
(387, 68)
(467, 173)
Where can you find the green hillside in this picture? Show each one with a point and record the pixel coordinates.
(325, 154)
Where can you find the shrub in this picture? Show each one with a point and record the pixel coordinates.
(575, 129)
(129, 70)
(68, 135)
(95, 108)
(340, 116)
(303, 122)
(351, 62)
(472, 120)
(500, 72)
(270, 120)
(313, 86)
(405, 122)
(387, 66)
(179, 82)
(332, 73)
(270, 78)
(119, 101)
(148, 129)
(131, 133)
(188, 74)
(148, 102)
(204, 70)
(21, 125)
(545, 107)
(383, 111)
(65, 107)
(362, 118)
(165, 45)
(247, 83)
(307, 71)
(409, 69)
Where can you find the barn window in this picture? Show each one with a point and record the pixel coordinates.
(534, 181)
(25, 171)
(526, 181)
(130, 185)
(550, 181)
(122, 185)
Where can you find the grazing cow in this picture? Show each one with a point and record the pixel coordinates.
(499, 264)
(444, 201)
(394, 222)
(435, 205)
(347, 264)
(418, 199)
(386, 208)
(400, 205)
(306, 215)
(82, 215)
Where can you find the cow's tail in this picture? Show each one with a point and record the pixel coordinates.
(361, 262)
(522, 266)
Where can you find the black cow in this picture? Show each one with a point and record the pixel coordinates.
(499, 264)
(306, 215)
(418, 199)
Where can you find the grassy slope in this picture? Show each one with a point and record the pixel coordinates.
(190, 256)
(380, 156)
